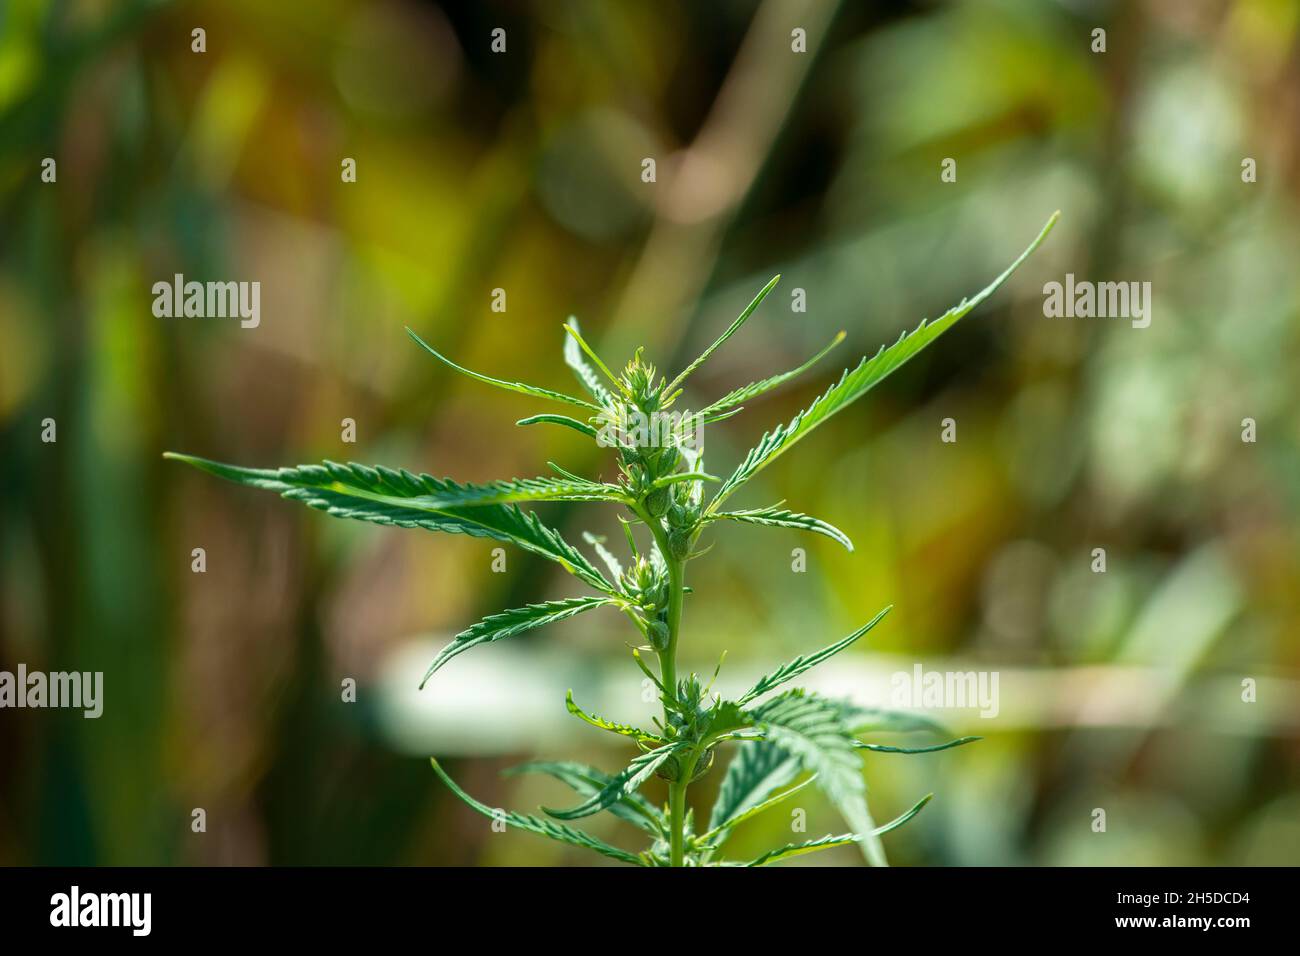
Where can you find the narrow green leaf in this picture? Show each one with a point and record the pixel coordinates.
(553, 831)
(810, 728)
(401, 499)
(496, 627)
(587, 781)
(799, 849)
(826, 842)
(612, 564)
(882, 748)
(519, 387)
(564, 420)
(799, 665)
(624, 730)
(853, 385)
(586, 374)
(780, 518)
(731, 330)
(718, 834)
(871, 720)
(755, 389)
(678, 477)
(591, 354)
(753, 774)
(627, 781)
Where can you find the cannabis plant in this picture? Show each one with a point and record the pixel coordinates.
(786, 740)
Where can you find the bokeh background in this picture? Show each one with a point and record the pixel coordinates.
(522, 171)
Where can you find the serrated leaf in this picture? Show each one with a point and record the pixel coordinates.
(884, 749)
(799, 849)
(856, 383)
(623, 730)
(826, 842)
(496, 627)
(401, 499)
(586, 374)
(626, 781)
(753, 774)
(589, 781)
(574, 334)
(519, 387)
(755, 389)
(806, 662)
(564, 420)
(612, 564)
(547, 828)
(874, 720)
(731, 330)
(717, 835)
(780, 518)
(810, 728)
(726, 716)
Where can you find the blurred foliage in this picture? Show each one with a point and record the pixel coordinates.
(521, 171)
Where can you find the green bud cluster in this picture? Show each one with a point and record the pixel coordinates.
(683, 517)
(689, 718)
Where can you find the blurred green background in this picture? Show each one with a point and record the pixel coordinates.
(522, 171)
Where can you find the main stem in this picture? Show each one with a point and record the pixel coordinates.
(668, 676)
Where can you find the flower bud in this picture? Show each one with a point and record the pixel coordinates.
(658, 634)
(671, 769)
(657, 502)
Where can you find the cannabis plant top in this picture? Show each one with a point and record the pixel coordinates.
(787, 740)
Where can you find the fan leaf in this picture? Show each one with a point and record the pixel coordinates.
(856, 383)
(799, 665)
(519, 387)
(588, 781)
(626, 781)
(564, 420)
(883, 749)
(623, 730)
(826, 842)
(718, 834)
(731, 330)
(780, 518)
(586, 374)
(547, 828)
(387, 497)
(810, 728)
(755, 389)
(499, 626)
(753, 774)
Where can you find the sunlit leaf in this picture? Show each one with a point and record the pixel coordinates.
(751, 777)
(383, 496)
(809, 727)
(588, 781)
(586, 374)
(626, 781)
(884, 749)
(564, 420)
(519, 387)
(624, 730)
(826, 842)
(799, 665)
(731, 330)
(496, 627)
(780, 518)
(542, 827)
(856, 383)
(755, 389)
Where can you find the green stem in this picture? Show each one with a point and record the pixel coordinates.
(668, 656)
(677, 820)
(668, 677)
